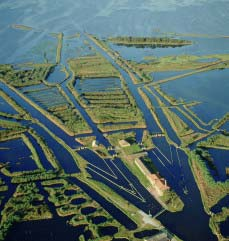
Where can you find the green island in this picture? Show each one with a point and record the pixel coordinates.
(149, 41)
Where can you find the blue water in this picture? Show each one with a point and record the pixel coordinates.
(224, 202)
(18, 155)
(98, 85)
(224, 228)
(225, 126)
(221, 161)
(6, 107)
(56, 75)
(114, 18)
(210, 88)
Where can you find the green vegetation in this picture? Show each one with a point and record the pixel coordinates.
(57, 107)
(179, 62)
(153, 42)
(221, 122)
(181, 128)
(10, 135)
(132, 149)
(92, 66)
(149, 164)
(22, 114)
(62, 194)
(3, 188)
(9, 124)
(126, 207)
(31, 75)
(114, 138)
(219, 141)
(147, 140)
(59, 36)
(34, 154)
(216, 220)
(108, 106)
(47, 151)
(70, 118)
(21, 207)
(211, 191)
(172, 201)
(31, 176)
(169, 200)
(14, 133)
(86, 140)
(57, 194)
(136, 75)
(21, 27)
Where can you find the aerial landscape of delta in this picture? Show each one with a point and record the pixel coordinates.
(114, 120)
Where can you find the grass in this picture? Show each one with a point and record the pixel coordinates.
(221, 122)
(109, 106)
(172, 201)
(147, 140)
(65, 207)
(218, 141)
(20, 207)
(114, 138)
(33, 75)
(130, 210)
(211, 191)
(133, 149)
(92, 66)
(179, 126)
(34, 154)
(86, 141)
(216, 220)
(47, 151)
(70, 118)
(22, 114)
(135, 74)
(178, 62)
(59, 37)
(149, 164)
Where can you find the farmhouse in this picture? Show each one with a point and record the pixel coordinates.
(159, 183)
(124, 143)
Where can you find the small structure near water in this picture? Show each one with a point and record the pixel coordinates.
(124, 143)
(159, 183)
(95, 144)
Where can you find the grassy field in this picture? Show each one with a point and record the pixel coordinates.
(211, 191)
(179, 62)
(92, 66)
(219, 141)
(20, 208)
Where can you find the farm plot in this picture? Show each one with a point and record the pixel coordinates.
(101, 90)
(106, 101)
(92, 67)
(60, 110)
